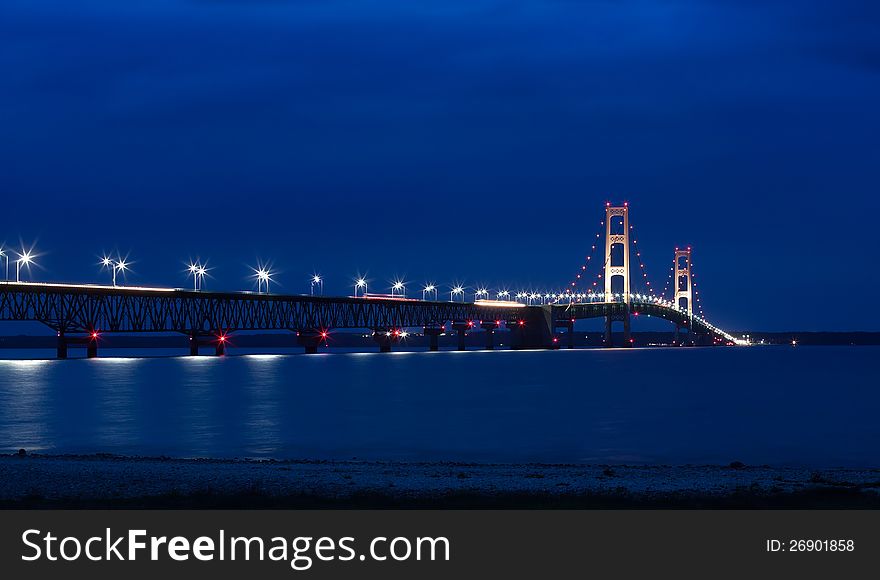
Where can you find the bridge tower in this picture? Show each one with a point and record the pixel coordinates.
(683, 297)
(683, 283)
(617, 265)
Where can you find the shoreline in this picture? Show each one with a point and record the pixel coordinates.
(35, 481)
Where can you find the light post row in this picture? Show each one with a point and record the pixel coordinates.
(25, 258)
(263, 275)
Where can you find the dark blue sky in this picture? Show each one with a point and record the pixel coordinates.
(458, 140)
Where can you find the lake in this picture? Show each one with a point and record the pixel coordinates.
(810, 406)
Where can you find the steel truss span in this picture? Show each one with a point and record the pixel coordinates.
(86, 309)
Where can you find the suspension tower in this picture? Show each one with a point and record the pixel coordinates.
(683, 283)
(683, 297)
(617, 266)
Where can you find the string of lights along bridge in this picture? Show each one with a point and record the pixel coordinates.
(604, 286)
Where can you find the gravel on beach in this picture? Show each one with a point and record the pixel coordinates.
(28, 480)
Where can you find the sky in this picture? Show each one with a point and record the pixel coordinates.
(460, 141)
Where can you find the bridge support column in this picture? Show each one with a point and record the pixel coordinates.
(92, 347)
(489, 328)
(383, 338)
(619, 312)
(461, 328)
(433, 333)
(517, 333)
(311, 339)
(193, 344)
(533, 328)
(608, 342)
(197, 340)
(571, 333)
(62, 346)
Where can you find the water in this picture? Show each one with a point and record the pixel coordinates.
(776, 405)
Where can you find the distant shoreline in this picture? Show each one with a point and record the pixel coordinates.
(355, 339)
(108, 481)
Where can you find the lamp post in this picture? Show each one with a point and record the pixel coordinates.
(194, 272)
(263, 276)
(24, 259)
(118, 265)
(398, 289)
(360, 283)
(319, 282)
(456, 290)
(3, 254)
(429, 289)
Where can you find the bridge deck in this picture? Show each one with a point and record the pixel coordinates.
(84, 308)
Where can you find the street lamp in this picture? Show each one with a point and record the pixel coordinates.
(25, 257)
(429, 289)
(198, 271)
(481, 292)
(503, 294)
(360, 283)
(263, 276)
(118, 265)
(317, 281)
(194, 272)
(456, 290)
(398, 289)
(3, 254)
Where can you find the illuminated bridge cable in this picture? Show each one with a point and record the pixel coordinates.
(697, 292)
(642, 270)
(581, 275)
(666, 288)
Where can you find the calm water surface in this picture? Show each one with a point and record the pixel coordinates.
(778, 405)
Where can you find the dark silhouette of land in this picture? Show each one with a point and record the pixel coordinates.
(353, 339)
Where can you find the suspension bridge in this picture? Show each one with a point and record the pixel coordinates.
(81, 314)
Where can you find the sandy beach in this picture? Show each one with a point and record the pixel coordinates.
(37, 481)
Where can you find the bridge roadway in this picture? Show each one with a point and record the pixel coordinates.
(81, 313)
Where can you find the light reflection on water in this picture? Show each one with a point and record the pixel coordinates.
(759, 405)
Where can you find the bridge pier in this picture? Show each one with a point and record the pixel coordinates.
(461, 328)
(433, 333)
(62, 346)
(197, 340)
(489, 328)
(92, 347)
(533, 329)
(311, 339)
(627, 327)
(571, 333)
(608, 342)
(383, 337)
